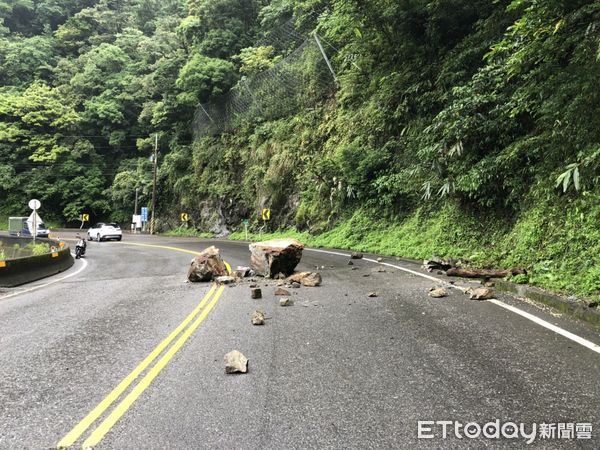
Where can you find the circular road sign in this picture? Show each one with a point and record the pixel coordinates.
(34, 204)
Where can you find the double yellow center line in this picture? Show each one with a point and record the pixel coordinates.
(196, 317)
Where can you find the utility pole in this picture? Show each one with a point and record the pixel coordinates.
(154, 184)
(137, 190)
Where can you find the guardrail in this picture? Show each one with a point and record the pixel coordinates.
(17, 271)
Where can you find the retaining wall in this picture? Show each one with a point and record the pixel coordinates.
(14, 272)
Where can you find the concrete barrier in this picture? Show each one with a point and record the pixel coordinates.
(17, 271)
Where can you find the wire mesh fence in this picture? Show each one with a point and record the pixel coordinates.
(299, 80)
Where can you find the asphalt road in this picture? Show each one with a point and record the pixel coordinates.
(337, 369)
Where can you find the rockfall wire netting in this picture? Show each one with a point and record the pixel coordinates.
(299, 80)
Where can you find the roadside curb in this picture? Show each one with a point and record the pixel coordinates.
(574, 309)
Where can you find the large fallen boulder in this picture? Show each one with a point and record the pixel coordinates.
(207, 266)
(270, 258)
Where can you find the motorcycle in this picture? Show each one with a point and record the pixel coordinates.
(80, 248)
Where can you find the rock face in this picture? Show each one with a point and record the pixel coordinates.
(235, 362)
(481, 294)
(310, 279)
(207, 266)
(438, 293)
(270, 258)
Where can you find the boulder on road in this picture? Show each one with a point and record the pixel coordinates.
(356, 255)
(235, 362)
(207, 266)
(270, 258)
(310, 279)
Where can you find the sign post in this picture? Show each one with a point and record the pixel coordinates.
(84, 218)
(144, 214)
(246, 222)
(35, 205)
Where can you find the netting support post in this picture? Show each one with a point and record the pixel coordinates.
(325, 56)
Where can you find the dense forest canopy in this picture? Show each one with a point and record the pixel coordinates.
(484, 110)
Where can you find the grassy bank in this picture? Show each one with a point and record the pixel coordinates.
(558, 247)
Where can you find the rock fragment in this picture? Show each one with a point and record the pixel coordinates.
(235, 362)
(481, 294)
(438, 292)
(285, 301)
(310, 279)
(207, 266)
(282, 292)
(258, 318)
(255, 293)
(241, 271)
(225, 279)
(372, 294)
(350, 263)
(356, 255)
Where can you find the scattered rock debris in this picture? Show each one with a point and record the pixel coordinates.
(285, 301)
(350, 263)
(255, 293)
(356, 255)
(235, 362)
(372, 294)
(282, 292)
(379, 259)
(258, 318)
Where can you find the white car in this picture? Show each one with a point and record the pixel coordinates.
(105, 231)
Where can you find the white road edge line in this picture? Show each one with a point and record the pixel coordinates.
(535, 319)
(35, 288)
(548, 325)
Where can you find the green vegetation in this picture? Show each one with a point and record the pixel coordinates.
(20, 251)
(462, 128)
